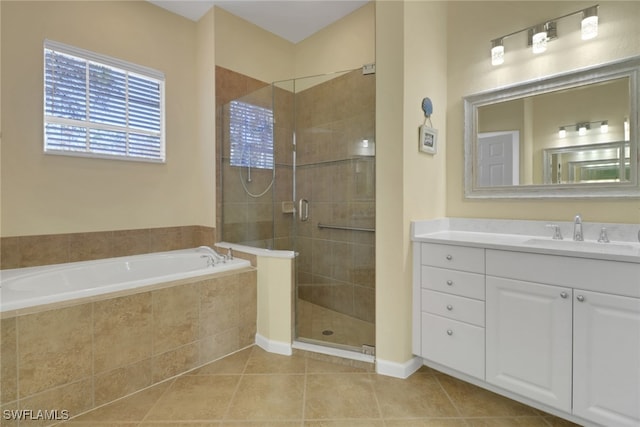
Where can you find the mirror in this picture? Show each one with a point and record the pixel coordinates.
(568, 135)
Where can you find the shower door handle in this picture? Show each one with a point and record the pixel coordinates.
(303, 209)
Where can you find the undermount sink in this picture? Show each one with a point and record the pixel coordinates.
(622, 248)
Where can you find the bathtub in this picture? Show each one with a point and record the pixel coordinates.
(27, 287)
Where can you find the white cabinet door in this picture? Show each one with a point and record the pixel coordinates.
(606, 366)
(528, 340)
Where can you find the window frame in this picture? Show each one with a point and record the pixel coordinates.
(121, 66)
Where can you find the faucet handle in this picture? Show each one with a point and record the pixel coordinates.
(557, 234)
(604, 238)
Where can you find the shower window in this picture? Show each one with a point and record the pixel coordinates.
(251, 135)
(99, 106)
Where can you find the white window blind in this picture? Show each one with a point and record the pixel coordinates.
(99, 106)
(251, 135)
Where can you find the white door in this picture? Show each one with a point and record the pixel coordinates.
(528, 340)
(606, 370)
(498, 158)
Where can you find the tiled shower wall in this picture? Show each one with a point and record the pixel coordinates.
(254, 221)
(28, 251)
(336, 173)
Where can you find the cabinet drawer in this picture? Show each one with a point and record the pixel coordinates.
(455, 344)
(456, 282)
(453, 307)
(454, 257)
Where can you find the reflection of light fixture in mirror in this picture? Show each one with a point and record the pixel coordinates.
(582, 128)
(497, 51)
(562, 133)
(539, 38)
(604, 127)
(589, 25)
(627, 132)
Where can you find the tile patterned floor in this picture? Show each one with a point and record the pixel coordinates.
(256, 388)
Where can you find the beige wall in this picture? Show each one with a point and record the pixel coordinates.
(471, 26)
(410, 65)
(59, 194)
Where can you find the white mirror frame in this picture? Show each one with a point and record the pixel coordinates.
(629, 68)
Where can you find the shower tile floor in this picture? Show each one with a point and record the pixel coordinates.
(256, 388)
(314, 322)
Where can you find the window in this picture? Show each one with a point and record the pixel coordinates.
(101, 107)
(251, 135)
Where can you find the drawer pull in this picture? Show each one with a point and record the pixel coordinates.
(449, 257)
(563, 294)
(449, 307)
(449, 332)
(580, 298)
(449, 282)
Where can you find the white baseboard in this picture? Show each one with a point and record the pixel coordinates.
(398, 370)
(277, 347)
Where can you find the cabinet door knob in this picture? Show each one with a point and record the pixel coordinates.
(449, 307)
(449, 332)
(563, 294)
(580, 298)
(449, 282)
(449, 257)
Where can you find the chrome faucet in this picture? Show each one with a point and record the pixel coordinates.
(577, 229)
(210, 260)
(212, 253)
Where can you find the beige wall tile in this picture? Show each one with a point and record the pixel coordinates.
(122, 331)
(119, 382)
(75, 397)
(8, 361)
(88, 246)
(54, 348)
(174, 362)
(175, 317)
(216, 346)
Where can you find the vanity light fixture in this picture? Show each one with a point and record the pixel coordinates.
(604, 127)
(562, 133)
(497, 51)
(539, 38)
(582, 128)
(540, 34)
(589, 24)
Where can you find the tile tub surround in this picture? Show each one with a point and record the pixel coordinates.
(29, 251)
(78, 357)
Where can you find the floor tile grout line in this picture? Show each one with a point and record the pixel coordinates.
(446, 393)
(237, 387)
(372, 376)
(169, 386)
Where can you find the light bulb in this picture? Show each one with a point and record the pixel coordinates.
(582, 130)
(539, 39)
(604, 127)
(627, 132)
(562, 133)
(589, 23)
(497, 52)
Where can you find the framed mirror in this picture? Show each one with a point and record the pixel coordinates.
(570, 135)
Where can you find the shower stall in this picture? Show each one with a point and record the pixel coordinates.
(298, 173)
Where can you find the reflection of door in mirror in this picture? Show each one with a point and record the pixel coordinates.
(498, 158)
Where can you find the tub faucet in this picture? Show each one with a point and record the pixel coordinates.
(212, 253)
(577, 229)
(210, 260)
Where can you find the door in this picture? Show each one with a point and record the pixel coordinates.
(528, 340)
(606, 366)
(498, 158)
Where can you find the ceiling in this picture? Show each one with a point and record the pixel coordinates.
(293, 20)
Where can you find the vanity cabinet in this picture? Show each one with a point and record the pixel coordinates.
(451, 312)
(529, 340)
(559, 340)
(559, 332)
(606, 358)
